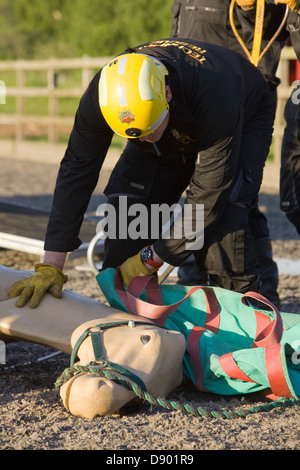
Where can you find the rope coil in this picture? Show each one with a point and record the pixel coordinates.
(171, 404)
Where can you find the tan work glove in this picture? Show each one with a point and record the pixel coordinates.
(134, 267)
(294, 5)
(47, 277)
(246, 4)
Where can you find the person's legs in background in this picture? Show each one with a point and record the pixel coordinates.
(290, 165)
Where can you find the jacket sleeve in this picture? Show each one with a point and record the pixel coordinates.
(78, 173)
(210, 189)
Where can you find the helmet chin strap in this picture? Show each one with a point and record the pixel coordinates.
(157, 151)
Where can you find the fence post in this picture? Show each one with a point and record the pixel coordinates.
(52, 105)
(86, 72)
(2, 92)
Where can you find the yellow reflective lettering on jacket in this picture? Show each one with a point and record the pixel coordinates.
(194, 51)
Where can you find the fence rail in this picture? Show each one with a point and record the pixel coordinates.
(52, 121)
(52, 67)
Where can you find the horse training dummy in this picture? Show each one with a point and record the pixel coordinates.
(131, 347)
(224, 342)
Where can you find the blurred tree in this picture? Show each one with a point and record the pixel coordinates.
(118, 24)
(72, 28)
(11, 39)
(39, 23)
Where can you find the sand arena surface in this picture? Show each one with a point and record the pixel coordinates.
(32, 415)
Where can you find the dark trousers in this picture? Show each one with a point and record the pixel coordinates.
(290, 165)
(143, 178)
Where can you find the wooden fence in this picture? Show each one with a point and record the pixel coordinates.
(53, 67)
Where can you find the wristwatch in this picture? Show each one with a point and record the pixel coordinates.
(147, 257)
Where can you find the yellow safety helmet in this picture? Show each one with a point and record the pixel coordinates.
(132, 94)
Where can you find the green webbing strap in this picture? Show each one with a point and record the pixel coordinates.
(97, 348)
(87, 332)
(96, 343)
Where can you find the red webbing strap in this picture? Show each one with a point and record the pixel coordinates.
(194, 352)
(147, 309)
(231, 368)
(118, 286)
(268, 335)
(153, 308)
(133, 304)
(262, 321)
(278, 386)
(275, 371)
(212, 321)
(272, 333)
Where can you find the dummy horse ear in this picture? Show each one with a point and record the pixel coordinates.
(145, 339)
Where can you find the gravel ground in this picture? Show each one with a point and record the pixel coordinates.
(32, 415)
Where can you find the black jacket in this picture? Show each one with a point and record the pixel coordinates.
(214, 91)
(208, 20)
(293, 27)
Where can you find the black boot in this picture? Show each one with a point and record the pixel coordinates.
(189, 274)
(268, 270)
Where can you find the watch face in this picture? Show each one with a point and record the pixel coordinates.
(146, 254)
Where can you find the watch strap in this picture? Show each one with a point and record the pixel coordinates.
(149, 260)
(153, 264)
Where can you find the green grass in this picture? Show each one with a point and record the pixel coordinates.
(270, 158)
(117, 142)
(67, 106)
(10, 106)
(36, 106)
(9, 77)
